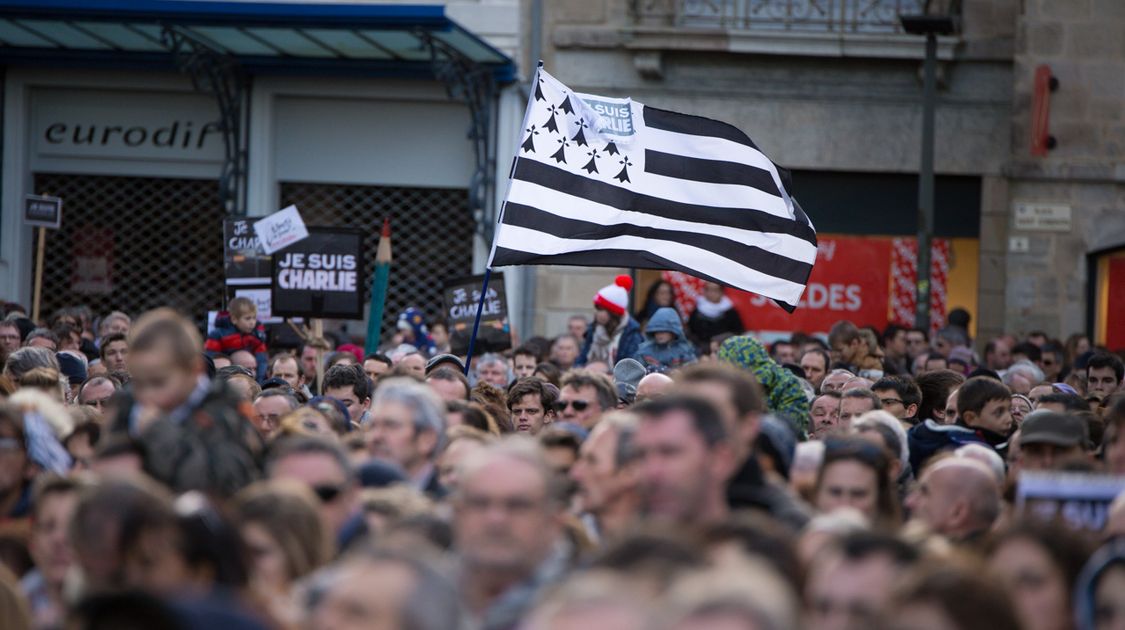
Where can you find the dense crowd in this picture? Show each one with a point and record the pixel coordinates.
(647, 469)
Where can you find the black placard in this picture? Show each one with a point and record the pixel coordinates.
(42, 211)
(461, 296)
(320, 276)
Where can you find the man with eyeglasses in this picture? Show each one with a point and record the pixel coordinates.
(507, 530)
(584, 397)
(97, 391)
(900, 397)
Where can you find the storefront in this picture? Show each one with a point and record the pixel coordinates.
(154, 121)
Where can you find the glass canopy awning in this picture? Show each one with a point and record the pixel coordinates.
(265, 37)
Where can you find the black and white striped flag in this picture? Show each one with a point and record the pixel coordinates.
(608, 182)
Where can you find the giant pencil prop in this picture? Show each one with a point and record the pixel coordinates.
(379, 282)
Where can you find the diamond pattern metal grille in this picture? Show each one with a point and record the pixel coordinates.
(134, 243)
(432, 235)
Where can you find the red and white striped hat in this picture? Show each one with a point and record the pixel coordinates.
(615, 297)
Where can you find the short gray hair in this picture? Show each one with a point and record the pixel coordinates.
(1027, 369)
(428, 410)
(624, 425)
(28, 358)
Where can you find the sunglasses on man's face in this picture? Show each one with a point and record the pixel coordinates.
(579, 405)
(327, 493)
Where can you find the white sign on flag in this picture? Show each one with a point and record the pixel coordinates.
(281, 229)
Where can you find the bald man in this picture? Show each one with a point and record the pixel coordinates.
(653, 385)
(957, 497)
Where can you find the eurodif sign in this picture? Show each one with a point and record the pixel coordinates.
(125, 125)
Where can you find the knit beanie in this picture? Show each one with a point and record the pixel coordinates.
(615, 297)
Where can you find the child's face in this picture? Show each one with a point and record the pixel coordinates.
(246, 322)
(663, 337)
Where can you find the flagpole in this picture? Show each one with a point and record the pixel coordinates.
(492, 250)
(379, 282)
(476, 324)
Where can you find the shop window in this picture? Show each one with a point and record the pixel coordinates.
(133, 243)
(432, 235)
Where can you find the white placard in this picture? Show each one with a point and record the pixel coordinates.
(261, 299)
(281, 229)
(1042, 217)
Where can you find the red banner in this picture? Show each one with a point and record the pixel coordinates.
(867, 280)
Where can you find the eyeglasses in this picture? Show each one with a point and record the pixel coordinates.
(579, 405)
(327, 493)
(891, 401)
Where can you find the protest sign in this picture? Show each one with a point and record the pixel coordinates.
(281, 229)
(245, 261)
(1080, 499)
(320, 276)
(461, 296)
(42, 211)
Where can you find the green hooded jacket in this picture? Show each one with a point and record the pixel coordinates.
(784, 395)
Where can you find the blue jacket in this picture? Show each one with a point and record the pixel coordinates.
(627, 346)
(658, 357)
(928, 438)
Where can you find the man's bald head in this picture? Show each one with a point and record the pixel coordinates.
(653, 385)
(957, 497)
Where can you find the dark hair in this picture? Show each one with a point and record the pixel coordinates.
(92, 430)
(779, 342)
(579, 378)
(925, 333)
(474, 415)
(560, 438)
(1029, 350)
(832, 394)
(936, 356)
(890, 439)
(869, 455)
(890, 332)
(1054, 348)
(350, 375)
(108, 339)
(535, 387)
(47, 485)
(978, 392)
(823, 354)
(704, 415)
(210, 541)
(381, 358)
(1070, 402)
(526, 351)
(935, 387)
(745, 392)
(760, 536)
(452, 376)
(1067, 549)
(1106, 360)
(904, 386)
(549, 371)
(116, 445)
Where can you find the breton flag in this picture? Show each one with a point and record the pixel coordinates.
(610, 182)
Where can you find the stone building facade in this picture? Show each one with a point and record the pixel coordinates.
(836, 97)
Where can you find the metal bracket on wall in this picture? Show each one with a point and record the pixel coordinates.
(219, 75)
(474, 84)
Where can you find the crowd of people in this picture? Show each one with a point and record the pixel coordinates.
(645, 469)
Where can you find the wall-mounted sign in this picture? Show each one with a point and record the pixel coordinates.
(1041, 217)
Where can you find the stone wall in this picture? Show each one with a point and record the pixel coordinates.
(1083, 42)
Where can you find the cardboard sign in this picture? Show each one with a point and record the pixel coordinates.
(281, 229)
(1082, 500)
(244, 258)
(42, 211)
(461, 297)
(320, 276)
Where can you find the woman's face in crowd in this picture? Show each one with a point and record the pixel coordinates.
(601, 317)
(663, 295)
(713, 292)
(848, 483)
(267, 561)
(1037, 586)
